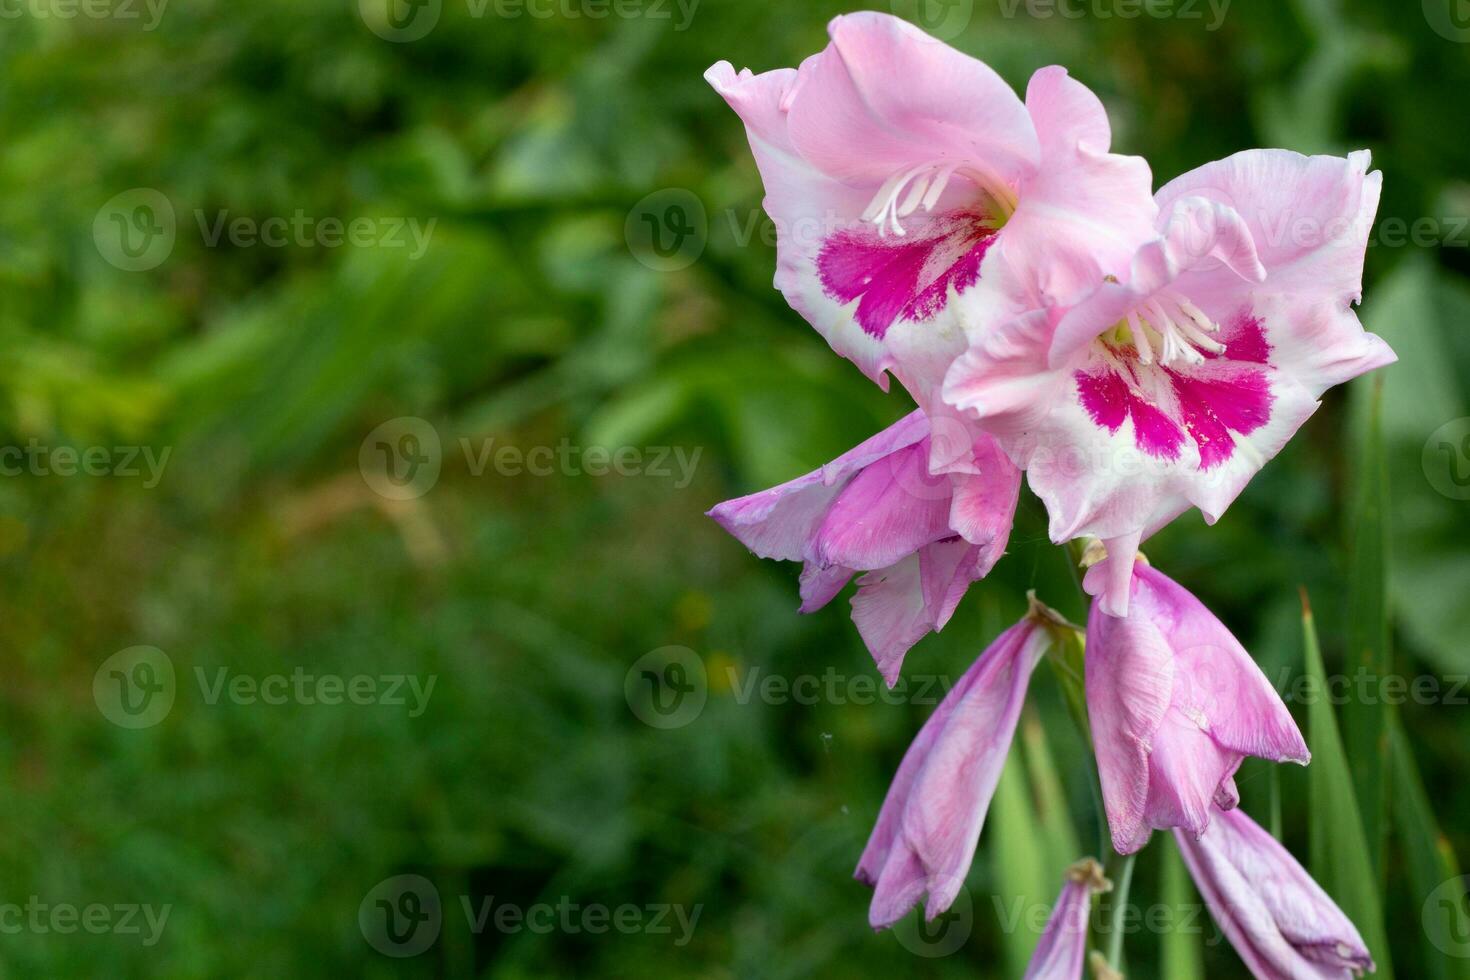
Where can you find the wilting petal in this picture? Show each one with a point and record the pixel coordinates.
(921, 538)
(1280, 921)
(930, 823)
(1175, 704)
(1063, 944)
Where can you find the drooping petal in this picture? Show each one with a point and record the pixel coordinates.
(921, 539)
(1280, 921)
(782, 522)
(1063, 944)
(1175, 704)
(930, 822)
(897, 606)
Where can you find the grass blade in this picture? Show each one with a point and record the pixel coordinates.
(1180, 955)
(1340, 858)
(1430, 863)
(1365, 721)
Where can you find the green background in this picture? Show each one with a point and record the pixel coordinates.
(529, 319)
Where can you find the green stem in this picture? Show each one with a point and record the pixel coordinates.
(1122, 877)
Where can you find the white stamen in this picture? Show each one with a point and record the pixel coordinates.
(1179, 330)
(925, 185)
(1140, 339)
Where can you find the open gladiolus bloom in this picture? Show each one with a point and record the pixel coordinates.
(1134, 355)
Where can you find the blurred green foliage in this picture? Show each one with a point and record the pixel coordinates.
(528, 140)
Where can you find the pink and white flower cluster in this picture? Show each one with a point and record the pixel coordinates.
(1134, 353)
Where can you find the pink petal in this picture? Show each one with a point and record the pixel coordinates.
(1280, 921)
(930, 822)
(1176, 703)
(782, 522)
(1059, 955)
(885, 96)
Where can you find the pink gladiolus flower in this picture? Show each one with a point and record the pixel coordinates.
(1181, 373)
(899, 172)
(930, 823)
(920, 539)
(1063, 944)
(1279, 920)
(1175, 704)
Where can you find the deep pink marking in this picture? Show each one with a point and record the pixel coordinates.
(1245, 340)
(1108, 398)
(904, 278)
(1212, 406)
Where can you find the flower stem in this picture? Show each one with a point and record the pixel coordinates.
(1121, 874)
